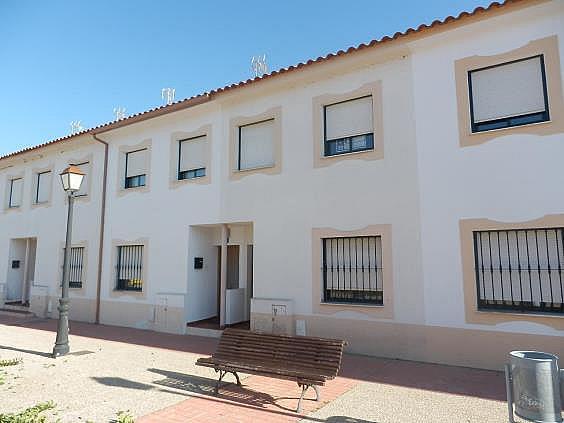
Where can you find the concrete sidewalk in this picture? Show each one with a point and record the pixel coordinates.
(153, 375)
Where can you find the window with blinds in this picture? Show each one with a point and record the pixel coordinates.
(136, 168)
(256, 145)
(85, 168)
(349, 126)
(43, 187)
(129, 269)
(192, 158)
(16, 190)
(509, 94)
(520, 270)
(352, 270)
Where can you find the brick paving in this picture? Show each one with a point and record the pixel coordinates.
(426, 387)
(260, 399)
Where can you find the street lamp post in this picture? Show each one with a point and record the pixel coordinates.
(71, 179)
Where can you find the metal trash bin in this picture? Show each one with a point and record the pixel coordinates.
(533, 386)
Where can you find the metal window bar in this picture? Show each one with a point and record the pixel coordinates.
(76, 261)
(129, 269)
(352, 270)
(520, 270)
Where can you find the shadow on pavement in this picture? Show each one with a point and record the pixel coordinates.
(40, 353)
(122, 383)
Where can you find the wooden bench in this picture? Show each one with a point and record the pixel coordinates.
(309, 361)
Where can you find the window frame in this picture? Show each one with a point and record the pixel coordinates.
(273, 120)
(75, 284)
(182, 175)
(379, 301)
(37, 185)
(472, 314)
(135, 181)
(507, 122)
(87, 193)
(10, 206)
(368, 136)
(125, 287)
(535, 284)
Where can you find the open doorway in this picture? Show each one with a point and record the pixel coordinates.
(21, 271)
(222, 251)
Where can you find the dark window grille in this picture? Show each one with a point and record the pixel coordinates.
(76, 264)
(520, 270)
(349, 144)
(135, 181)
(509, 121)
(130, 268)
(192, 173)
(352, 270)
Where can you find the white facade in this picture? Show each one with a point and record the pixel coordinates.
(416, 192)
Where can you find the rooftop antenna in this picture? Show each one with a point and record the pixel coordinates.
(167, 95)
(259, 66)
(76, 127)
(119, 112)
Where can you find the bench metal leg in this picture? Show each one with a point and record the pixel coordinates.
(304, 389)
(222, 373)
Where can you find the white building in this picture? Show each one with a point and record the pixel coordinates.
(405, 195)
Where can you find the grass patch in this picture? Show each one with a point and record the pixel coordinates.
(10, 362)
(121, 417)
(29, 415)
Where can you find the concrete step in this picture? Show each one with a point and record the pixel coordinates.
(209, 333)
(26, 314)
(14, 307)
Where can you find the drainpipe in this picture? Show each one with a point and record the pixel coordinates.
(102, 226)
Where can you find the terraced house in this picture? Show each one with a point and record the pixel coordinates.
(405, 195)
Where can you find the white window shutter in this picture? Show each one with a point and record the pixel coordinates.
(508, 90)
(193, 154)
(16, 192)
(136, 163)
(349, 118)
(43, 187)
(257, 145)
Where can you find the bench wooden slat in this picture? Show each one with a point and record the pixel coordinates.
(310, 356)
(307, 360)
(247, 335)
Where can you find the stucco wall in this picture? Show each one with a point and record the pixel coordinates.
(512, 178)
(420, 186)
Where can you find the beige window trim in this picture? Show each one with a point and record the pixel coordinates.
(385, 311)
(472, 314)
(123, 150)
(84, 244)
(234, 124)
(34, 181)
(175, 138)
(116, 293)
(373, 89)
(546, 46)
(8, 181)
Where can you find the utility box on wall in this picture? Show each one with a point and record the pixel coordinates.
(272, 316)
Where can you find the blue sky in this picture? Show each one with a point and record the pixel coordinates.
(77, 60)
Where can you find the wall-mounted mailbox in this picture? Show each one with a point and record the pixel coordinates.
(198, 262)
(15, 264)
